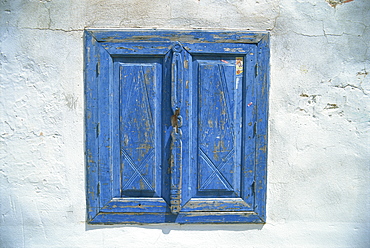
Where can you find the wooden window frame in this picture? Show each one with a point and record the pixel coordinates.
(101, 46)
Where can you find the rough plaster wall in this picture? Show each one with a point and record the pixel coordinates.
(318, 174)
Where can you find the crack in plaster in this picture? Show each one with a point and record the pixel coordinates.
(55, 29)
(363, 73)
(352, 86)
(9, 125)
(276, 18)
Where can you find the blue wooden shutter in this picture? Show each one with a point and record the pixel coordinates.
(221, 134)
(126, 122)
(176, 126)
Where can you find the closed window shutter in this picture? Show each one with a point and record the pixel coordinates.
(176, 126)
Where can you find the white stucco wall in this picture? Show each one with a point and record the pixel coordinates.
(319, 126)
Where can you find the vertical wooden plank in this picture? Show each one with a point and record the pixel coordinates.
(187, 126)
(249, 125)
(91, 120)
(166, 127)
(177, 88)
(104, 126)
(115, 127)
(262, 126)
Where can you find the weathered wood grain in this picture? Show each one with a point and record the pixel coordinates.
(176, 126)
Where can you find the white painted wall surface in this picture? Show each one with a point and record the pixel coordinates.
(319, 156)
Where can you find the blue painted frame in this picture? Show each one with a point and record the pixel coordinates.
(102, 49)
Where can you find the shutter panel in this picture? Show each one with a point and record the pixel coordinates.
(132, 124)
(140, 83)
(221, 179)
